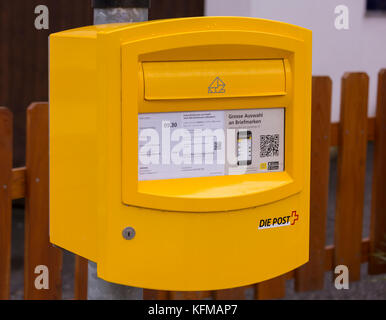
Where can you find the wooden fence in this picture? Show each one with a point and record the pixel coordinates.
(351, 135)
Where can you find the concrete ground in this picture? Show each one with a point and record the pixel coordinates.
(369, 287)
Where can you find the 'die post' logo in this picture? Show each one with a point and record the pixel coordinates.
(279, 221)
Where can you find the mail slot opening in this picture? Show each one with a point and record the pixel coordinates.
(213, 79)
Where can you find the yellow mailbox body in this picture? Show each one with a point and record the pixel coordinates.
(192, 232)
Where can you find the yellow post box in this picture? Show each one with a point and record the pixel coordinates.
(180, 150)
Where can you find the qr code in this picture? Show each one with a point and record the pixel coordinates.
(269, 145)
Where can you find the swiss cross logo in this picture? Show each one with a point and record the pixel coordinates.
(294, 217)
(217, 86)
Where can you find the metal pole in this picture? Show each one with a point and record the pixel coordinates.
(114, 11)
(98, 289)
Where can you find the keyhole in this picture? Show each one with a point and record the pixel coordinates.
(128, 233)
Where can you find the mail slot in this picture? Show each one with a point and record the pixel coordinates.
(180, 150)
(208, 79)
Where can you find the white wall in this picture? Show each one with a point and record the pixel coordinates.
(361, 48)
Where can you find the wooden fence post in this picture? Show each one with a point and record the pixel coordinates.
(6, 136)
(378, 205)
(188, 295)
(230, 294)
(271, 289)
(81, 278)
(311, 275)
(352, 144)
(155, 294)
(38, 250)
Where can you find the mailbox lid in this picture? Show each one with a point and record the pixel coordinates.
(213, 79)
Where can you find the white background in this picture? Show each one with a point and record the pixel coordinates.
(361, 48)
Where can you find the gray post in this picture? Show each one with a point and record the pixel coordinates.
(98, 289)
(113, 11)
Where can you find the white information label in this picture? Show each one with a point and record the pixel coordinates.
(210, 143)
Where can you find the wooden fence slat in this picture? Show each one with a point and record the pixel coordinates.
(189, 295)
(311, 275)
(231, 294)
(38, 250)
(351, 172)
(81, 278)
(155, 294)
(271, 289)
(6, 136)
(370, 129)
(335, 131)
(330, 254)
(378, 205)
(18, 183)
